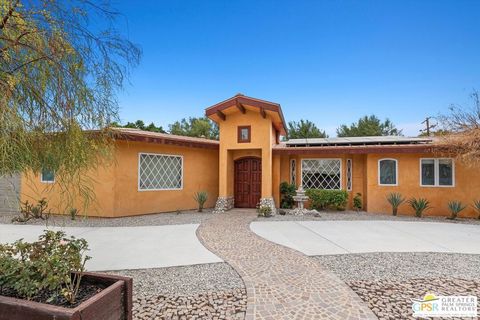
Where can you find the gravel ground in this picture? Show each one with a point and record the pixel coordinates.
(206, 291)
(387, 281)
(390, 299)
(401, 265)
(157, 219)
(353, 215)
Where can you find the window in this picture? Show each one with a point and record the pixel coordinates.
(244, 134)
(349, 174)
(387, 172)
(160, 172)
(321, 173)
(293, 171)
(47, 176)
(437, 172)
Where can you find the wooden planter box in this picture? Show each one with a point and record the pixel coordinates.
(112, 303)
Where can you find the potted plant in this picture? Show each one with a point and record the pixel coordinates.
(200, 197)
(357, 202)
(419, 205)
(46, 280)
(455, 208)
(395, 199)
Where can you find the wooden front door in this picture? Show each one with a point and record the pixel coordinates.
(248, 182)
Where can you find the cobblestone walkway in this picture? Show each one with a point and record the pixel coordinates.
(281, 283)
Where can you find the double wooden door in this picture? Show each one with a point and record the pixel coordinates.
(248, 182)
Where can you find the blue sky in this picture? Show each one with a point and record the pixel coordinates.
(327, 61)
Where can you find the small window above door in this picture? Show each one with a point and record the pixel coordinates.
(244, 134)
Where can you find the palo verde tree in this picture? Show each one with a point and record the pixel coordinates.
(304, 129)
(462, 131)
(61, 65)
(369, 126)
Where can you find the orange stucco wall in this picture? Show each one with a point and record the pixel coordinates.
(467, 184)
(116, 187)
(101, 181)
(230, 149)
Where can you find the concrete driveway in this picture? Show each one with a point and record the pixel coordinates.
(342, 237)
(118, 248)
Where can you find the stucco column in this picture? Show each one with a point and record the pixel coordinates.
(267, 167)
(225, 199)
(276, 178)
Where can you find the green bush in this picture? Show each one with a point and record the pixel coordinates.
(30, 211)
(201, 197)
(264, 211)
(357, 202)
(287, 191)
(327, 199)
(395, 199)
(419, 205)
(455, 208)
(53, 265)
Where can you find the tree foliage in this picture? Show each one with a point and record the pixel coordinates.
(369, 126)
(139, 124)
(462, 127)
(304, 129)
(61, 65)
(195, 127)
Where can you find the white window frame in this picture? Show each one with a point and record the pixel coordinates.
(341, 170)
(436, 173)
(349, 164)
(293, 174)
(47, 181)
(396, 173)
(165, 155)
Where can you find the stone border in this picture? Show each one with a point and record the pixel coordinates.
(224, 204)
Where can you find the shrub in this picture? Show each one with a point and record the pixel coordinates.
(476, 206)
(264, 211)
(455, 208)
(419, 205)
(287, 191)
(327, 199)
(30, 211)
(357, 202)
(201, 197)
(53, 265)
(73, 213)
(395, 199)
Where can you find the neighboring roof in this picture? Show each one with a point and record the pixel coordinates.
(243, 103)
(164, 138)
(355, 141)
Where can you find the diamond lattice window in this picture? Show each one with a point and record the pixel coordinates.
(321, 173)
(160, 172)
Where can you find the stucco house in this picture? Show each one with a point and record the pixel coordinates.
(156, 172)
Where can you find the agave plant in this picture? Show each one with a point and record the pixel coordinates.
(419, 205)
(395, 199)
(476, 206)
(201, 197)
(455, 208)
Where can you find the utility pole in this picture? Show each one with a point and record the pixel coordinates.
(428, 126)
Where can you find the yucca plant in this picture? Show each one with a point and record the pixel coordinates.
(395, 199)
(419, 205)
(455, 208)
(201, 197)
(476, 206)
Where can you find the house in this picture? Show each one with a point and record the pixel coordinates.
(156, 172)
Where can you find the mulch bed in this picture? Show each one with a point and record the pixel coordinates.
(85, 292)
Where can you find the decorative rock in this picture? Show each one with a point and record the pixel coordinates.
(269, 202)
(224, 204)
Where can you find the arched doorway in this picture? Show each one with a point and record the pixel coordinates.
(248, 182)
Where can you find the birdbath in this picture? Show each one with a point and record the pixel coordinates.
(300, 198)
